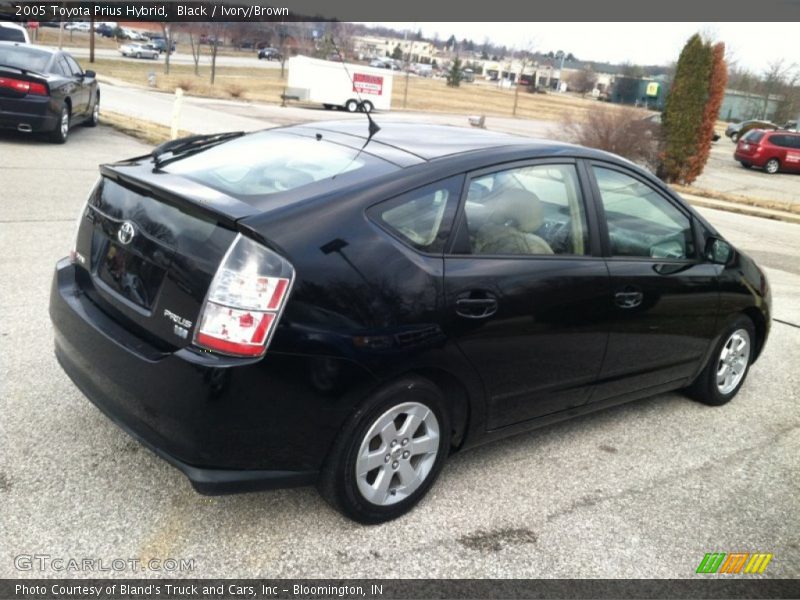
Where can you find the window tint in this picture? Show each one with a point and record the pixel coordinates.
(754, 136)
(73, 66)
(11, 34)
(24, 57)
(272, 162)
(422, 216)
(640, 221)
(535, 210)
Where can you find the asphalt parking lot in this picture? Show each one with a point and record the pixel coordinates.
(642, 490)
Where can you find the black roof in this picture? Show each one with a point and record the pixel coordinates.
(407, 143)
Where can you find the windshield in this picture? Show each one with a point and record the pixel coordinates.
(23, 57)
(268, 162)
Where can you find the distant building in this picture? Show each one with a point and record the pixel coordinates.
(741, 106)
(416, 51)
(648, 92)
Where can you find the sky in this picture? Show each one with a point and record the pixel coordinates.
(751, 46)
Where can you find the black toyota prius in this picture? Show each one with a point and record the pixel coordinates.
(318, 305)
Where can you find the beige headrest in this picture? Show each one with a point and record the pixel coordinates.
(520, 206)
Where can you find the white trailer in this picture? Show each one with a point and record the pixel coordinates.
(327, 82)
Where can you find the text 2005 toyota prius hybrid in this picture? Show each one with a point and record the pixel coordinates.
(292, 307)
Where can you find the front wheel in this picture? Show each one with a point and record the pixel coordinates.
(723, 376)
(351, 106)
(95, 118)
(772, 166)
(367, 106)
(389, 453)
(734, 137)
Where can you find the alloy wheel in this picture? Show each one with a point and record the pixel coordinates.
(64, 123)
(733, 360)
(397, 453)
(772, 166)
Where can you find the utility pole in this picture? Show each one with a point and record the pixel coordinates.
(91, 39)
(408, 56)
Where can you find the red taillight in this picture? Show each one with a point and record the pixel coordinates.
(245, 300)
(24, 87)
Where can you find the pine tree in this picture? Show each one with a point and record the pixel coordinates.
(684, 112)
(454, 76)
(718, 79)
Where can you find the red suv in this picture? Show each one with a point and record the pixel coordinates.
(772, 150)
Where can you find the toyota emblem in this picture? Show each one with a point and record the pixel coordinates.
(125, 233)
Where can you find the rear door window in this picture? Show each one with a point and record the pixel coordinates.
(11, 34)
(422, 217)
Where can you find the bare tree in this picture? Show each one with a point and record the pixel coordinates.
(582, 81)
(527, 53)
(166, 31)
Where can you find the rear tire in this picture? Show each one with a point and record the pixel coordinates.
(367, 107)
(734, 137)
(351, 106)
(723, 376)
(747, 165)
(389, 453)
(60, 134)
(772, 166)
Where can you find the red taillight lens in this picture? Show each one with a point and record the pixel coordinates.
(24, 87)
(245, 300)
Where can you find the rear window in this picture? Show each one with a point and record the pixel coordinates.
(23, 57)
(753, 137)
(11, 34)
(270, 162)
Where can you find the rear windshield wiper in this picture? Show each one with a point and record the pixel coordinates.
(190, 145)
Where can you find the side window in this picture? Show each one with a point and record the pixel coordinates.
(533, 210)
(423, 216)
(74, 67)
(640, 221)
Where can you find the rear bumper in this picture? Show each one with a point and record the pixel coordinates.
(750, 159)
(35, 112)
(229, 427)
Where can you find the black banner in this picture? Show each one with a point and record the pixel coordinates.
(263, 589)
(405, 10)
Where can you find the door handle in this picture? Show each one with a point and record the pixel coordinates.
(628, 299)
(471, 307)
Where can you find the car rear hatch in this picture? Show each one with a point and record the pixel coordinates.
(749, 144)
(146, 255)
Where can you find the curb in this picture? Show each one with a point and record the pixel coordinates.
(743, 209)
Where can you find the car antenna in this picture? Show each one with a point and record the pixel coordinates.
(373, 126)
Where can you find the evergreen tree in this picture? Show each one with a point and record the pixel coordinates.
(454, 76)
(684, 111)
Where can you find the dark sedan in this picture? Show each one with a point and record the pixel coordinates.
(306, 305)
(44, 90)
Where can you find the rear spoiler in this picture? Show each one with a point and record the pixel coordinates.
(181, 192)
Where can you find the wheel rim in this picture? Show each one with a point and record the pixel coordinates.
(772, 166)
(64, 123)
(397, 453)
(352, 106)
(733, 360)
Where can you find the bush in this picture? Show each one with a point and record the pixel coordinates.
(236, 90)
(187, 85)
(617, 129)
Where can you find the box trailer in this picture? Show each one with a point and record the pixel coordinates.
(339, 85)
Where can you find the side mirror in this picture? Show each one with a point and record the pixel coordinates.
(718, 251)
(89, 74)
